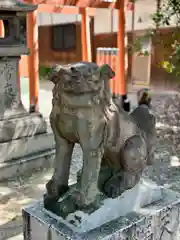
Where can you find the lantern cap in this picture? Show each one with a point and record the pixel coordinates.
(16, 6)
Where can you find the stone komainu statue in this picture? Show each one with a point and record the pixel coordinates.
(115, 150)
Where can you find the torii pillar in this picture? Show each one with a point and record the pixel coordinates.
(121, 72)
(1, 28)
(33, 59)
(85, 36)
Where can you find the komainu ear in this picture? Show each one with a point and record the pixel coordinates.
(106, 71)
(56, 72)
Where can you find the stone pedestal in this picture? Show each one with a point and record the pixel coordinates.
(25, 142)
(26, 154)
(159, 220)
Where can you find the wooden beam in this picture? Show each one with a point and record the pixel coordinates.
(91, 12)
(77, 3)
(86, 37)
(48, 8)
(33, 60)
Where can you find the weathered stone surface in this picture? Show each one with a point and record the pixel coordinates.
(27, 164)
(22, 135)
(28, 125)
(10, 102)
(83, 112)
(158, 221)
(26, 146)
(144, 193)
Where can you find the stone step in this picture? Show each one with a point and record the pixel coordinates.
(18, 148)
(27, 164)
(26, 125)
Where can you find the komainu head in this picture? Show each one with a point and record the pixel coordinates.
(81, 78)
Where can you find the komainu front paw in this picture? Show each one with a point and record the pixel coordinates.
(54, 192)
(88, 206)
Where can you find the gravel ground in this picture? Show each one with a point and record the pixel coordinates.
(20, 191)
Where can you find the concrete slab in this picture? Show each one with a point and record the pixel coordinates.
(160, 220)
(144, 193)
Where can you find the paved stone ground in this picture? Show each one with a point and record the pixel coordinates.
(16, 193)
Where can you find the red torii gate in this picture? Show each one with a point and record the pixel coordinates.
(86, 8)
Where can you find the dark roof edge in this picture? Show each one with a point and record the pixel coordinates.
(18, 6)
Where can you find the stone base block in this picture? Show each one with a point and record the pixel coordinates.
(20, 126)
(26, 146)
(26, 154)
(26, 165)
(157, 221)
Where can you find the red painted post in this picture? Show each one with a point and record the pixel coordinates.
(120, 76)
(98, 56)
(1, 29)
(111, 65)
(102, 56)
(85, 36)
(115, 85)
(33, 60)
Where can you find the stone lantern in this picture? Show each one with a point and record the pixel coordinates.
(22, 135)
(12, 46)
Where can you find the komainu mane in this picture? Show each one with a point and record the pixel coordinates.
(115, 149)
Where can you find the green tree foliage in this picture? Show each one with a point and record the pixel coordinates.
(166, 10)
(43, 71)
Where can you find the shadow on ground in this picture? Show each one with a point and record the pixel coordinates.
(15, 194)
(11, 228)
